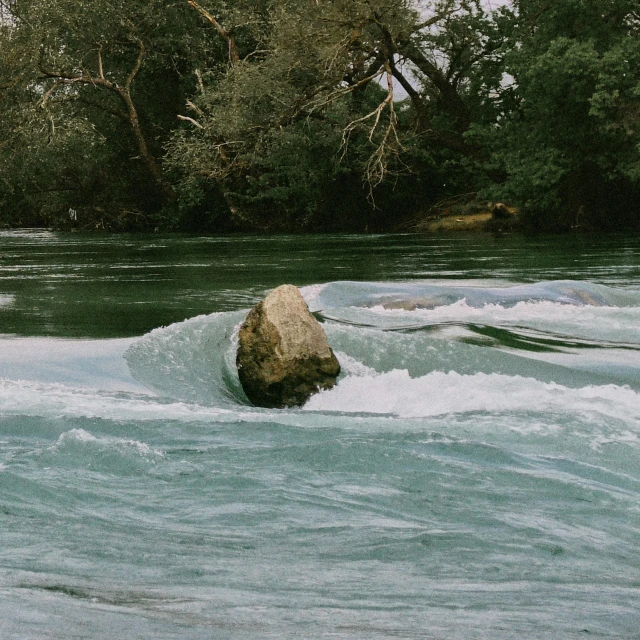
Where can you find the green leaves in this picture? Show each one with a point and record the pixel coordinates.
(570, 144)
(92, 93)
(264, 110)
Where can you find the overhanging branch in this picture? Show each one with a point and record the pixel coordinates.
(224, 34)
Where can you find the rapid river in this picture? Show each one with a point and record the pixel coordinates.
(474, 474)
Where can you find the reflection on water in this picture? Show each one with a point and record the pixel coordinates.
(125, 285)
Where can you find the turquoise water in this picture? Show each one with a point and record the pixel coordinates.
(474, 474)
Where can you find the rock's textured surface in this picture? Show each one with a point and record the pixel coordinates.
(283, 354)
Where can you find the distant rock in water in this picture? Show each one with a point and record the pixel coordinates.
(411, 304)
(283, 354)
(580, 297)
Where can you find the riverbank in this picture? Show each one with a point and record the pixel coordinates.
(452, 217)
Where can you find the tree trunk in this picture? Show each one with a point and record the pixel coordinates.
(145, 155)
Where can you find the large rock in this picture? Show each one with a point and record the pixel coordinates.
(283, 355)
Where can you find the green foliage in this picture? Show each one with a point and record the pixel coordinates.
(314, 111)
(87, 101)
(570, 143)
(331, 114)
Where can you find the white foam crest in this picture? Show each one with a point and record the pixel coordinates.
(555, 316)
(80, 437)
(311, 293)
(440, 393)
(6, 299)
(523, 310)
(353, 367)
(56, 400)
(178, 327)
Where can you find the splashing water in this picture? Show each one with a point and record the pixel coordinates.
(474, 473)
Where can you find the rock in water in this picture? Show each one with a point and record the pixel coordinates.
(283, 354)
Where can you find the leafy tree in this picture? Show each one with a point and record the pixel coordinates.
(569, 143)
(301, 114)
(318, 82)
(98, 87)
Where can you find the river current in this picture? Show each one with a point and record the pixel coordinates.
(474, 474)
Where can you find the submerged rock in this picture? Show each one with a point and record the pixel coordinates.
(582, 297)
(411, 304)
(283, 354)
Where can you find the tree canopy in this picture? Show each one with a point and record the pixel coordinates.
(570, 145)
(316, 114)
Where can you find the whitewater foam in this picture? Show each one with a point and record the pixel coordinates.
(58, 401)
(353, 367)
(75, 437)
(440, 393)
(596, 323)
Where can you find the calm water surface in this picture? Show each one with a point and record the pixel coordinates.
(474, 474)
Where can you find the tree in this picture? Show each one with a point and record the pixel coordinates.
(569, 144)
(332, 71)
(295, 114)
(109, 80)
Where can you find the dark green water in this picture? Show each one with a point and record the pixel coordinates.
(474, 474)
(73, 285)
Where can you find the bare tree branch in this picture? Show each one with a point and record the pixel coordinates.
(234, 56)
(124, 94)
(191, 120)
(47, 95)
(100, 68)
(377, 165)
